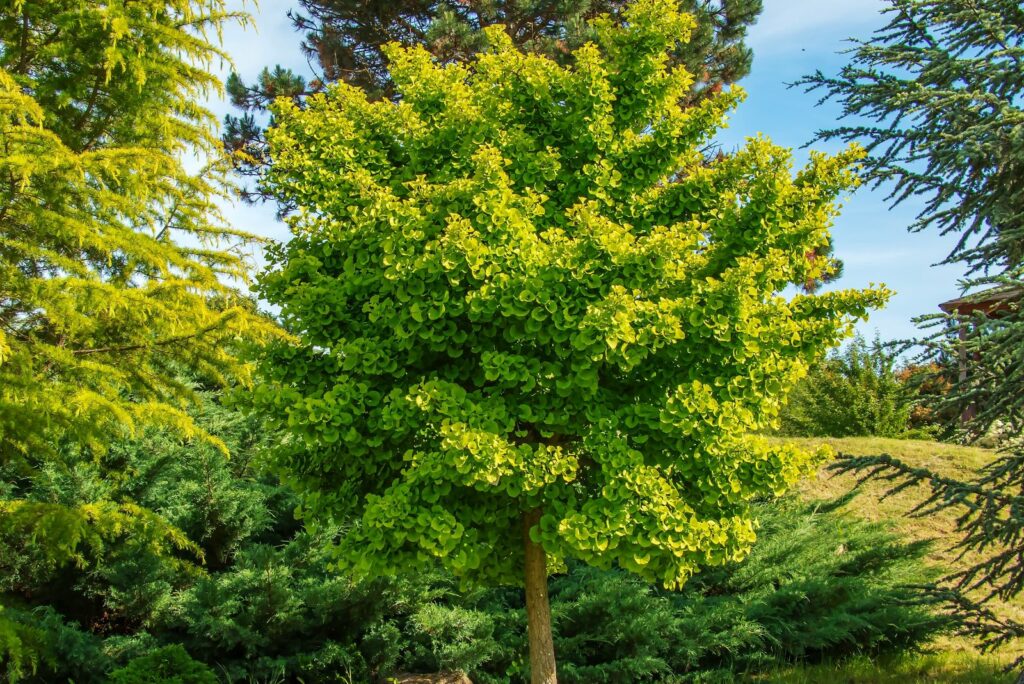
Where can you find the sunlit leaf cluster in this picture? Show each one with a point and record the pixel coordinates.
(522, 285)
(116, 269)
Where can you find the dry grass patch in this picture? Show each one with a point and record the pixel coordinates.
(946, 459)
(940, 528)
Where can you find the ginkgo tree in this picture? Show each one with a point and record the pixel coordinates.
(534, 323)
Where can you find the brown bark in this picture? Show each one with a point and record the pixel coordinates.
(538, 610)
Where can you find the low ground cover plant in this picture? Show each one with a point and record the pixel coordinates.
(819, 585)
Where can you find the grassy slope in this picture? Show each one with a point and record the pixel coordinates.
(955, 659)
(946, 459)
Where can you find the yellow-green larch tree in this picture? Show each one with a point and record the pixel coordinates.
(117, 271)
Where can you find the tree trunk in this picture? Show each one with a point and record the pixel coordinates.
(538, 611)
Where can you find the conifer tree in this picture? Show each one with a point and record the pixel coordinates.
(935, 96)
(115, 266)
(345, 39)
(534, 321)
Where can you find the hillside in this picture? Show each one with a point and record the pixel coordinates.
(945, 459)
(955, 659)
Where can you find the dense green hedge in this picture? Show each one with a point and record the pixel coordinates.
(264, 605)
(167, 665)
(819, 585)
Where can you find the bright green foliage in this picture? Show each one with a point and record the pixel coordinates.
(521, 286)
(818, 584)
(855, 392)
(346, 39)
(266, 606)
(168, 665)
(262, 603)
(113, 258)
(74, 531)
(71, 554)
(21, 647)
(41, 539)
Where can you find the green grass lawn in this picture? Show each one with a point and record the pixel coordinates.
(946, 667)
(955, 659)
(946, 459)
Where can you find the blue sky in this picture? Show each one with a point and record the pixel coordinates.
(792, 38)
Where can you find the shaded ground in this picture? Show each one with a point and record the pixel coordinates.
(956, 659)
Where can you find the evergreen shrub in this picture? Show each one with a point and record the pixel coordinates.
(855, 392)
(168, 665)
(819, 585)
